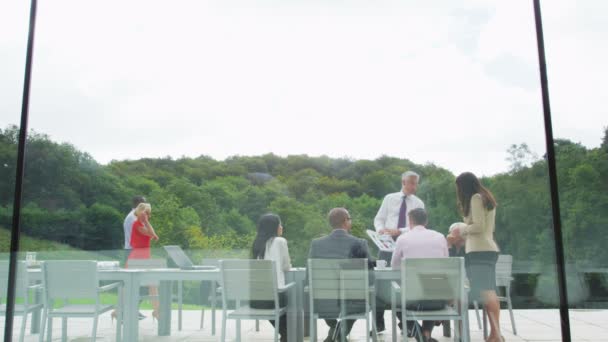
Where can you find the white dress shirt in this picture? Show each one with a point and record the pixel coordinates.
(276, 249)
(388, 214)
(127, 226)
(419, 242)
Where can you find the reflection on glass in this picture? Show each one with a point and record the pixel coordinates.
(571, 35)
(13, 25)
(224, 115)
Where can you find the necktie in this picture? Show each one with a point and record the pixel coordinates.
(402, 212)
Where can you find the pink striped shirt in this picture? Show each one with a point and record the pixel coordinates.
(419, 242)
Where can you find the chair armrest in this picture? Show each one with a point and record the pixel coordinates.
(286, 287)
(37, 287)
(109, 287)
(396, 288)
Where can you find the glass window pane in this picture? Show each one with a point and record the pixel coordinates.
(220, 112)
(13, 42)
(575, 55)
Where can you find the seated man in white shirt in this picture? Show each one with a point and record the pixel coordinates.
(420, 242)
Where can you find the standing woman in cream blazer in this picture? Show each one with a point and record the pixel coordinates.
(478, 207)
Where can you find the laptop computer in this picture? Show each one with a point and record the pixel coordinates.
(182, 261)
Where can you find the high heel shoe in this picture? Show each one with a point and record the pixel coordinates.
(155, 315)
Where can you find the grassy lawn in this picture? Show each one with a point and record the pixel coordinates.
(112, 298)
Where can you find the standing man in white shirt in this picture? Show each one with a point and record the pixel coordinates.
(392, 219)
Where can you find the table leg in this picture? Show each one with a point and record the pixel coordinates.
(35, 325)
(446, 328)
(295, 307)
(164, 321)
(131, 304)
(292, 315)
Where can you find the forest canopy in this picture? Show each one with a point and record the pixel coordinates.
(203, 203)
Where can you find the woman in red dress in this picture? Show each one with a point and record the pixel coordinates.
(141, 234)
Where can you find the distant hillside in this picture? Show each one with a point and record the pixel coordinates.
(46, 249)
(213, 205)
(30, 243)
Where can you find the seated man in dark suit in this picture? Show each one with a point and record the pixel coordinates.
(339, 244)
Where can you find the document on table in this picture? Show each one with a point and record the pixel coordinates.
(383, 242)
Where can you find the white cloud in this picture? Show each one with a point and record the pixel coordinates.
(449, 83)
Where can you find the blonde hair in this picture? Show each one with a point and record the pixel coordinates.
(142, 207)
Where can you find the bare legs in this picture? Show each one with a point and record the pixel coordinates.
(153, 291)
(492, 306)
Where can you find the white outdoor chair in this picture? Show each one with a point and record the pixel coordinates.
(432, 279)
(215, 292)
(23, 290)
(346, 282)
(68, 280)
(504, 277)
(244, 280)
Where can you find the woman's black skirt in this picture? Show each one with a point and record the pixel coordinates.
(481, 271)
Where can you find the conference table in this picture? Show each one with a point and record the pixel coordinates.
(133, 279)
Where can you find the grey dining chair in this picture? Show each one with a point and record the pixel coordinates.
(244, 280)
(340, 288)
(23, 290)
(437, 279)
(68, 281)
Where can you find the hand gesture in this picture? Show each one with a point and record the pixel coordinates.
(391, 232)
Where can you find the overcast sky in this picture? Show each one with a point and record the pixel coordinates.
(454, 83)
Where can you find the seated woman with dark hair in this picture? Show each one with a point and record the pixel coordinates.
(269, 245)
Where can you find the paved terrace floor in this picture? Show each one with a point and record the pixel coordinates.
(532, 325)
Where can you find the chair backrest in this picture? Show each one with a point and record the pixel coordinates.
(432, 279)
(210, 262)
(21, 282)
(338, 279)
(68, 279)
(247, 279)
(504, 270)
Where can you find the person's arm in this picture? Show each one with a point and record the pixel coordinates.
(365, 249)
(478, 217)
(396, 259)
(284, 255)
(127, 226)
(444, 242)
(146, 228)
(454, 238)
(311, 252)
(380, 219)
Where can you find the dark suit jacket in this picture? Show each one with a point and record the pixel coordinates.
(339, 244)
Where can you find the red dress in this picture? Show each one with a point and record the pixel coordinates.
(139, 242)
